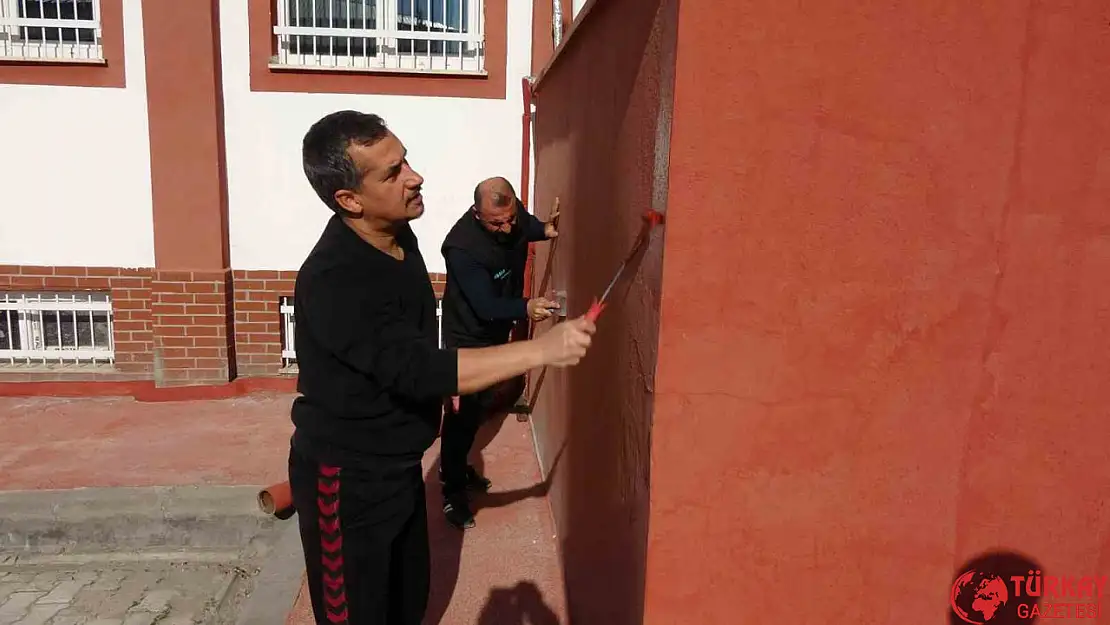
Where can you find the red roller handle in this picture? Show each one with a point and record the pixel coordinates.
(595, 310)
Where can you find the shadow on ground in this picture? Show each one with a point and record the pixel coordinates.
(505, 606)
(522, 604)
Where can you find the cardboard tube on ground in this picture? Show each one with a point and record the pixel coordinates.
(277, 499)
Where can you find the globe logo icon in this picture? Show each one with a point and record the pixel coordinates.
(977, 597)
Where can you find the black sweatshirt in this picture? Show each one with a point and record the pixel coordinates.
(485, 280)
(372, 377)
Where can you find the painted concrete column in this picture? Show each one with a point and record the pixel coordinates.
(191, 288)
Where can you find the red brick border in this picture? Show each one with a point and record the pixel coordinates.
(439, 282)
(191, 312)
(173, 328)
(258, 320)
(258, 339)
(132, 331)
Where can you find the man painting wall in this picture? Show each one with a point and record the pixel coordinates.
(485, 253)
(373, 378)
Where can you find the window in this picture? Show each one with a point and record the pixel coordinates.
(50, 30)
(288, 331)
(56, 328)
(399, 35)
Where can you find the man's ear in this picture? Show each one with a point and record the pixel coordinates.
(520, 206)
(348, 202)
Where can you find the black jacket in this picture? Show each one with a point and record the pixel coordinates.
(484, 295)
(372, 378)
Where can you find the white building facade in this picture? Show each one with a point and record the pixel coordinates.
(153, 205)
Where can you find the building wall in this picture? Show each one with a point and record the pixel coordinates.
(454, 142)
(883, 331)
(593, 422)
(184, 197)
(75, 180)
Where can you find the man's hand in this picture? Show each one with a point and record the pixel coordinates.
(540, 308)
(550, 229)
(566, 343)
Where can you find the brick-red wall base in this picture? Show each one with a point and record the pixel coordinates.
(193, 331)
(258, 319)
(171, 328)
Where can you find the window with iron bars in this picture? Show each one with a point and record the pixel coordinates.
(56, 328)
(50, 30)
(289, 329)
(400, 35)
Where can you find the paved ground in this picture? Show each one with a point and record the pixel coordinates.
(171, 554)
(136, 594)
(503, 572)
(72, 443)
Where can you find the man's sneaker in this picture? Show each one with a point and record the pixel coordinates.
(474, 481)
(457, 511)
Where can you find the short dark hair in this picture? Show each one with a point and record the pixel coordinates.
(327, 165)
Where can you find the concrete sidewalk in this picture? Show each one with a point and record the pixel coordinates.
(503, 572)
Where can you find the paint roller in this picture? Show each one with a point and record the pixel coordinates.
(651, 218)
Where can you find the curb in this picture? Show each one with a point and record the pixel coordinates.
(164, 518)
(147, 391)
(276, 585)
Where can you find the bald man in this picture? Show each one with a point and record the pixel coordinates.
(484, 298)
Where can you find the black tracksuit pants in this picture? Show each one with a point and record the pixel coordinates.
(365, 540)
(461, 428)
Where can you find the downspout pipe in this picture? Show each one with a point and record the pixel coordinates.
(526, 139)
(525, 330)
(557, 21)
(526, 142)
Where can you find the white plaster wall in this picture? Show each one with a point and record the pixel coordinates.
(275, 218)
(75, 169)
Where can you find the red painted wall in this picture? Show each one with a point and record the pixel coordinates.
(595, 138)
(885, 324)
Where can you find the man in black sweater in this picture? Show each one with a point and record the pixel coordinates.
(485, 252)
(373, 379)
